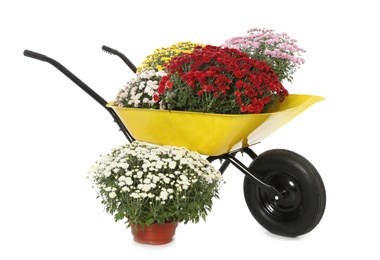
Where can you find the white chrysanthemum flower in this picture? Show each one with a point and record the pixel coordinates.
(184, 160)
(184, 179)
(135, 195)
(146, 188)
(178, 156)
(159, 164)
(139, 174)
(166, 180)
(146, 165)
(128, 181)
(112, 195)
(164, 195)
(172, 165)
(155, 179)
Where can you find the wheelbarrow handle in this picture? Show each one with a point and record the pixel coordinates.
(68, 73)
(121, 55)
(83, 86)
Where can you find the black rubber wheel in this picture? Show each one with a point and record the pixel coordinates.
(298, 181)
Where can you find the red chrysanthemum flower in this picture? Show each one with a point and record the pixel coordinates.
(219, 80)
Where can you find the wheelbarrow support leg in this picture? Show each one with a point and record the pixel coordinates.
(230, 158)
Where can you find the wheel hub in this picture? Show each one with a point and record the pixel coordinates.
(289, 188)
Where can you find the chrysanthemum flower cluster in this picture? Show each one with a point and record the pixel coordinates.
(243, 75)
(214, 79)
(141, 91)
(279, 50)
(163, 55)
(142, 183)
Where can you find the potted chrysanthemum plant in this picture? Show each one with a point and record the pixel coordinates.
(279, 50)
(214, 79)
(154, 187)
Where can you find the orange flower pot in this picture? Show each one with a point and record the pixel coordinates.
(155, 234)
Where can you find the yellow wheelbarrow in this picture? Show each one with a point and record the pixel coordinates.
(283, 190)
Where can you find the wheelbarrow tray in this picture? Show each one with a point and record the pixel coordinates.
(208, 133)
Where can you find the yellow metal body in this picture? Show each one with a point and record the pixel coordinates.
(210, 134)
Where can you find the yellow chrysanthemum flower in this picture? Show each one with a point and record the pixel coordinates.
(163, 55)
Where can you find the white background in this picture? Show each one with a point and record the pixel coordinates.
(51, 131)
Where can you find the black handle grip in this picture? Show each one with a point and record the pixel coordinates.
(34, 55)
(109, 50)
